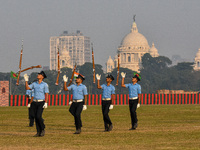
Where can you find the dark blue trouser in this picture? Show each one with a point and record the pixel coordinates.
(38, 110)
(105, 111)
(30, 115)
(76, 109)
(132, 108)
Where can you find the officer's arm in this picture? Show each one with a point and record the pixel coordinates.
(85, 96)
(26, 86)
(31, 100)
(113, 98)
(46, 97)
(65, 86)
(123, 85)
(98, 84)
(139, 98)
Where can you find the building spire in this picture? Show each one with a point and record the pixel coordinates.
(134, 25)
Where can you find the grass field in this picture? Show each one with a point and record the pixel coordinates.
(160, 127)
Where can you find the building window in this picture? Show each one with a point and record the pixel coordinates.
(63, 63)
(3, 90)
(129, 58)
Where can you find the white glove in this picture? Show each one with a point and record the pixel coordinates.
(138, 105)
(29, 105)
(98, 76)
(65, 78)
(84, 107)
(45, 105)
(70, 102)
(123, 74)
(111, 106)
(26, 77)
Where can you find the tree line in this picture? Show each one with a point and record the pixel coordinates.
(157, 73)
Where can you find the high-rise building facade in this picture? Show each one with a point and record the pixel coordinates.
(73, 48)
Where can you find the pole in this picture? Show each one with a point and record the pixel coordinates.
(10, 86)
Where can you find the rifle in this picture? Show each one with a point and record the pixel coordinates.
(93, 65)
(57, 80)
(38, 66)
(20, 65)
(117, 71)
(72, 75)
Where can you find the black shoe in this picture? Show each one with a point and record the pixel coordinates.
(135, 125)
(42, 133)
(37, 135)
(132, 128)
(110, 127)
(78, 131)
(106, 130)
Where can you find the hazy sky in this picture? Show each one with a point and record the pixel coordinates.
(173, 25)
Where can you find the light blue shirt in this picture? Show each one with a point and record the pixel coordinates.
(107, 90)
(30, 93)
(39, 90)
(134, 89)
(78, 91)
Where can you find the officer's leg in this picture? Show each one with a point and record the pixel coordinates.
(72, 108)
(38, 116)
(132, 107)
(106, 111)
(78, 115)
(103, 112)
(31, 116)
(134, 111)
(106, 117)
(35, 107)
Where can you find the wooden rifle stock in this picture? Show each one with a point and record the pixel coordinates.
(38, 66)
(72, 75)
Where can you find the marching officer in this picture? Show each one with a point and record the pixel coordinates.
(107, 99)
(40, 100)
(79, 96)
(134, 97)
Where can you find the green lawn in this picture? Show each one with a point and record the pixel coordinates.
(160, 127)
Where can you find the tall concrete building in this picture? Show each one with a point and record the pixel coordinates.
(133, 46)
(73, 48)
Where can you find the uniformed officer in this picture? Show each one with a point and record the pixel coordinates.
(134, 97)
(40, 100)
(107, 99)
(30, 94)
(79, 96)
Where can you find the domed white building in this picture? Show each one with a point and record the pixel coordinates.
(65, 59)
(153, 51)
(133, 46)
(110, 65)
(197, 61)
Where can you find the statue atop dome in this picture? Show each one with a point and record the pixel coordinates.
(134, 18)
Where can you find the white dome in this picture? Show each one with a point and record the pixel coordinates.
(198, 54)
(153, 51)
(110, 60)
(134, 38)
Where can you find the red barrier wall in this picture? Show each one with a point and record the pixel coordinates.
(120, 99)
